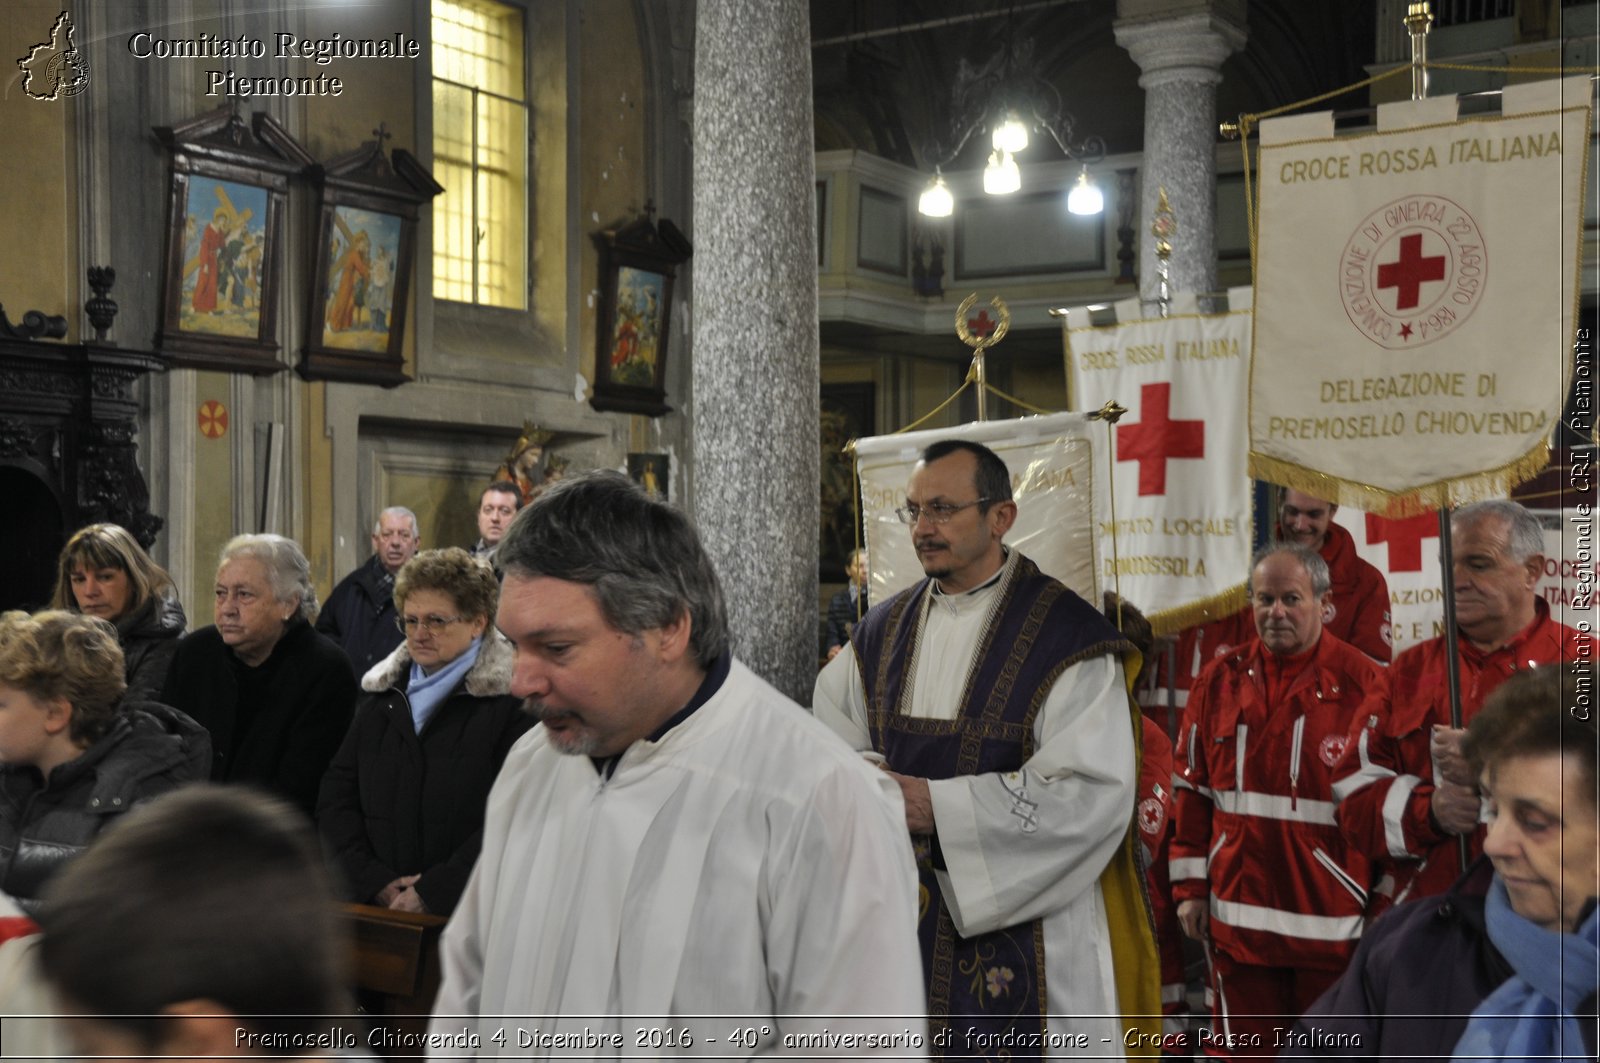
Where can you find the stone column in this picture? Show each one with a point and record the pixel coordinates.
(755, 349)
(1179, 47)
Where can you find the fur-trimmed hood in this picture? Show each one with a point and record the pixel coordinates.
(489, 676)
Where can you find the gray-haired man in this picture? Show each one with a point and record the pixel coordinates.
(359, 614)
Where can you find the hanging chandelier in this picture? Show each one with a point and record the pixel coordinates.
(1008, 99)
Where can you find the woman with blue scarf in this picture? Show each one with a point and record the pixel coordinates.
(401, 807)
(1536, 759)
(1505, 965)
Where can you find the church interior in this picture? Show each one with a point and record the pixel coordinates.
(552, 177)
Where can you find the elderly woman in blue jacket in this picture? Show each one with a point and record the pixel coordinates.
(401, 807)
(1503, 965)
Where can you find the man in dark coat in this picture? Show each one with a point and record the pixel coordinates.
(359, 614)
(849, 605)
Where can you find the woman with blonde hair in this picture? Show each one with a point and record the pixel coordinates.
(104, 572)
(73, 754)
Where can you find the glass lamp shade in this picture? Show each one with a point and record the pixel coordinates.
(1001, 177)
(1085, 198)
(936, 200)
(1010, 136)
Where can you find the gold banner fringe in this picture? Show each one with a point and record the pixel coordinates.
(1394, 505)
(1171, 621)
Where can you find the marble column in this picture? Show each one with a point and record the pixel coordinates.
(754, 408)
(1180, 52)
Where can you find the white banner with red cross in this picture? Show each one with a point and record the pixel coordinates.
(1406, 551)
(1181, 497)
(1057, 467)
(1415, 297)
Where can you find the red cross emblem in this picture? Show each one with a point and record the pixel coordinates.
(1408, 273)
(1151, 816)
(213, 419)
(1158, 438)
(982, 325)
(1413, 271)
(1404, 538)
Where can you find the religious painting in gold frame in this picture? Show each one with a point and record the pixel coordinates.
(366, 243)
(638, 264)
(223, 265)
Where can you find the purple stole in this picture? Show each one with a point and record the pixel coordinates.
(994, 983)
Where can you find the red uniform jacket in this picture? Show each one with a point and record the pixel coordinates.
(1360, 597)
(1360, 600)
(1255, 811)
(1385, 783)
(1154, 818)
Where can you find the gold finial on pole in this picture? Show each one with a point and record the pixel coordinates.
(1111, 412)
(980, 333)
(1163, 226)
(1419, 20)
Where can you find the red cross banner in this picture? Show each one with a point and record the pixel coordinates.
(1182, 500)
(1415, 297)
(1406, 551)
(1057, 468)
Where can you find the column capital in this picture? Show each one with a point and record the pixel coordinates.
(1186, 46)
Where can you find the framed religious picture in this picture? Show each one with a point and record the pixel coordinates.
(650, 471)
(224, 256)
(637, 265)
(366, 241)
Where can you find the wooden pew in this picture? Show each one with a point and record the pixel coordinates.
(395, 968)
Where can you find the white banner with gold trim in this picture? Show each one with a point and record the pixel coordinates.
(1181, 495)
(1054, 478)
(1415, 297)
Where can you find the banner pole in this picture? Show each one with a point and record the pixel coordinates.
(980, 334)
(1111, 413)
(1418, 22)
(1163, 226)
(983, 384)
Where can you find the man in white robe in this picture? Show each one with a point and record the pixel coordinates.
(980, 653)
(679, 860)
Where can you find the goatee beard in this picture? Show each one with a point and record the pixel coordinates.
(570, 743)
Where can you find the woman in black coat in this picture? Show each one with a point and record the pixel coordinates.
(73, 755)
(104, 572)
(401, 809)
(275, 696)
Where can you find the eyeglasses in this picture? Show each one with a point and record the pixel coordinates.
(429, 624)
(936, 512)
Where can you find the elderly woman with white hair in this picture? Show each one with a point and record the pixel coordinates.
(276, 696)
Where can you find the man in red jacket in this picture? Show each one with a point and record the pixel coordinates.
(1259, 870)
(1357, 610)
(1392, 805)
